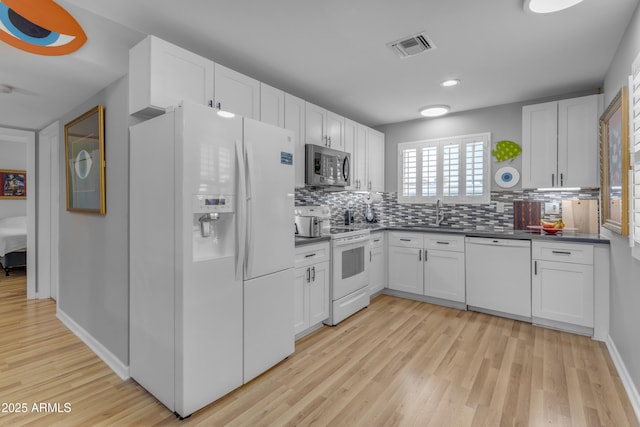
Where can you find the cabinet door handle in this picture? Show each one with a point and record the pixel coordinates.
(426, 256)
(561, 252)
(561, 180)
(376, 240)
(310, 255)
(442, 243)
(535, 267)
(308, 275)
(419, 254)
(313, 270)
(405, 240)
(211, 103)
(219, 105)
(553, 179)
(370, 256)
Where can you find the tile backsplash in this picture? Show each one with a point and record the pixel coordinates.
(389, 211)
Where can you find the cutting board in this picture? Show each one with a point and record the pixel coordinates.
(526, 213)
(581, 214)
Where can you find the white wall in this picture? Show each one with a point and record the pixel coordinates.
(13, 155)
(94, 249)
(625, 271)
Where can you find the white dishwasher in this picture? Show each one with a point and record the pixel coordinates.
(499, 276)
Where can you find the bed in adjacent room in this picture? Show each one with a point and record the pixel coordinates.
(13, 243)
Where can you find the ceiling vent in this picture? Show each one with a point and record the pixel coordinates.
(411, 46)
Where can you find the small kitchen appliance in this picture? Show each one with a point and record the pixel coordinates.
(322, 215)
(307, 226)
(326, 167)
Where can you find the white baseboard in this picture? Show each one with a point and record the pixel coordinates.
(101, 351)
(623, 373)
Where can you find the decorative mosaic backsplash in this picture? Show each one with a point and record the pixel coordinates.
(389, 211)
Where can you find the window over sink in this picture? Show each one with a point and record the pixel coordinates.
(454, 169)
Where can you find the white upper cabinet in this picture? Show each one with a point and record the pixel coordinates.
(539, 145)
(560, 143)
(236, 93)
(162, 75)
(355, 143)
(316, 125)
(335, 130)
(375, 160)
(324, 127)
(271, 105)
(366, 147)
(578, 153)
(294, 120)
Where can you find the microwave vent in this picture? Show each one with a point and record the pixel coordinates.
(412, 45)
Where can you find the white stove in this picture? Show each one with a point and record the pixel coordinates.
(350, 258)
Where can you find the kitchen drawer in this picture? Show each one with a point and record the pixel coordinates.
(562, 252)
(377, 239)
(444, 242)
(407, 240)
(312, 254)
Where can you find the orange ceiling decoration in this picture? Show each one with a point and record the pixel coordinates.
(40, 26)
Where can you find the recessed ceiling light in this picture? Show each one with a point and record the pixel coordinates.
(435, 110)
(548, 6)
(451, 82)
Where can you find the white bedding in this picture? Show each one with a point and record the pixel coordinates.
(13, 234)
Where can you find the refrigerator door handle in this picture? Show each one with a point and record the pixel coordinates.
(249, 215)
(241, 220)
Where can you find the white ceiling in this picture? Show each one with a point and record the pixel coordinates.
(334, 52)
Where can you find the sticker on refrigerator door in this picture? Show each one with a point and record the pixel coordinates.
(286, 158)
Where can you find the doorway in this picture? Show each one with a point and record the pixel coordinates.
(29, 139)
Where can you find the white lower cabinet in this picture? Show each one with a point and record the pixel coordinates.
(427, 264)
(444, 275)
(377, 263)
(311, 288)
(562, 288)
(406, 271)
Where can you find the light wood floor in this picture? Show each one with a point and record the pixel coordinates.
(397, 362)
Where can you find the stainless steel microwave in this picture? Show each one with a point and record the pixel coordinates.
(326, 167)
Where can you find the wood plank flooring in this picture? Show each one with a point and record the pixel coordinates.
(398, 362)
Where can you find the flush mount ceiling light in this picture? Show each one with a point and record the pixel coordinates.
(451, 82)
(548, 6)
(434, 110)
(226, 114)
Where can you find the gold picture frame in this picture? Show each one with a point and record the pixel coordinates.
(13, 184)
(85, 162)
(614, 164)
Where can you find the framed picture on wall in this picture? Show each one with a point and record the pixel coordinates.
(614, 165)
(13, 184)
(85, 162)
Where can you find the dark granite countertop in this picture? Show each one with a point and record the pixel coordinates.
(488, 232)
(301, 241)
(493, 233)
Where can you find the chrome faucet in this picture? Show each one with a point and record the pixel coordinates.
(439, 212)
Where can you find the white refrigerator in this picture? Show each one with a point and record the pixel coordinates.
(211, 254)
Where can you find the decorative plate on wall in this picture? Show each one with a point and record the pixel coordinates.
(507, 177)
